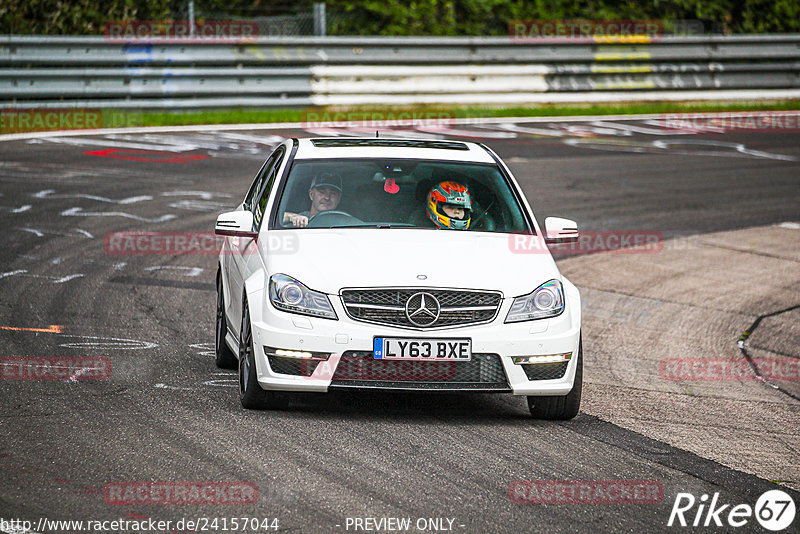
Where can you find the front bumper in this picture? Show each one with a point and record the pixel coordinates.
(278, 329)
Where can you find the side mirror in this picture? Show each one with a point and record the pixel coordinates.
(558, 230)
(236, 224)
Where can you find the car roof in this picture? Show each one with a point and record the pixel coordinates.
(391, 147)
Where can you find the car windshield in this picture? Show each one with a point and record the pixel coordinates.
(404, 193)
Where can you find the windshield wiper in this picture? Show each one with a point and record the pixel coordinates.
(380, 225)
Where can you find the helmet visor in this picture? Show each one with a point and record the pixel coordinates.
(454, 211)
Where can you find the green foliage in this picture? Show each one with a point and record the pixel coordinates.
(404, 17)
(81, 17)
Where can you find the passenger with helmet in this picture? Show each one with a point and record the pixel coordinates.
(450, 206)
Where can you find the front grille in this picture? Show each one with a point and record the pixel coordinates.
(482, 372)
(545, 371)
(292, 366)
(387, 306)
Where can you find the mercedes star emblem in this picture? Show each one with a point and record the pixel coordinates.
(422, 309)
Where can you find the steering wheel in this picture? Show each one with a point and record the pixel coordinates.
(485, 222)
(332, 218)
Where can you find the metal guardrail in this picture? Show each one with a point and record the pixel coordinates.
(300, 71)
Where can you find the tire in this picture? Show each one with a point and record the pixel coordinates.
(224, 356)
(251, 394)
(560, 407)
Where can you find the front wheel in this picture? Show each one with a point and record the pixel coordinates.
(224, 356)
(560, 407)
(251, 395)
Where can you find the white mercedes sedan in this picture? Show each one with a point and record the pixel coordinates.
(395, 264)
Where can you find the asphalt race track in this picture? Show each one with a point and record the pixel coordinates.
(167, 414)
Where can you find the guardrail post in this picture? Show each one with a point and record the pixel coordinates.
(191, 18)
(320, 24)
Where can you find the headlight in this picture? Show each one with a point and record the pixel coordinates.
(546, 301)
(289, 295)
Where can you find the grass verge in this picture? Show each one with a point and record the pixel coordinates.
(339, 114)
(38, 120)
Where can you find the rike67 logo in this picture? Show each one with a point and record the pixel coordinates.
(774, 510)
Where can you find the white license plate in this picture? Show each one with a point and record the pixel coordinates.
(405, 348)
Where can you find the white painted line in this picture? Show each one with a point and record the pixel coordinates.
(738, 147)
(13, 273)
(193, 271)
(48, 193)
(206, 349)
(35, 232)
(80, 372)
(78, 212)
(175, 388)
(511, 127)
(790, 225)
(630, 128)
(262, 140)
(474, 134)
(160, 140)
(54, 279)
(94, 141)
(118, 266)
(42, 233)
(201, 205)
(67, 278)
(665, 147)
(21, 209)
(205, 195)
(662, 124)
(113, 343)
(222, 383)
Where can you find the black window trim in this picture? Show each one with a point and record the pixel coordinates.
(258, 175)
(278, 195)
(277, 164)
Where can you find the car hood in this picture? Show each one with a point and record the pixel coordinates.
(331, 259)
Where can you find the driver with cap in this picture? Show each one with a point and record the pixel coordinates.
(325, 193)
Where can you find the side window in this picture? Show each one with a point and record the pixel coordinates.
(259, 180)
(269, 180)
